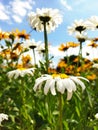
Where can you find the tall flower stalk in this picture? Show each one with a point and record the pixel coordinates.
(34, 56)
(45, 20)
(46, 47)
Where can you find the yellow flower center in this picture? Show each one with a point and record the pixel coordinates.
(62, 76)
(21, 68)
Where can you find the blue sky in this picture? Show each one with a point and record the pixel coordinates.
(13, 14)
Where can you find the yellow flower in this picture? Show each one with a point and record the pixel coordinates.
(63, 47)
(26, 59)
(3, 35)
(13, 56)
(62, 64)
(91, 77)
(72, 44)
(22, 34)
(93, 44)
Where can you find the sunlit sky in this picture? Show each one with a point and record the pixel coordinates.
(13, 14)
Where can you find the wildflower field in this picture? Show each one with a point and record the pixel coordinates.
(34, 95)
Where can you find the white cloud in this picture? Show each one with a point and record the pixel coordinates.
(3, 13)
(55, 51)
(17, 18)
(16, 10)
(21, 7)
(64, 3)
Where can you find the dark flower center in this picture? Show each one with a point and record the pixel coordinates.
(45, 18)
(97, 26)
(32, 46)
(80, 28)
(81, 40)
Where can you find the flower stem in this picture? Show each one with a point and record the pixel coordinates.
(80, 55)
(60, 112)
(46, 47)
(80, 51)
(34, 56)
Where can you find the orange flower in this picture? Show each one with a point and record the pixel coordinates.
(26, 59)
(62, 64)
(91, 77)
(76, 59)
(3, 35)
(63, 47)
(69, 69)
(5, 53)
(51, 71)
(93, 44)
(95, 39)
(72, 44)
(22, 34)
(13, 56)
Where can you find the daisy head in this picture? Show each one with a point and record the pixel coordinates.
(59, 83)
(51, 17)
(32, 44)
(81, 37)
(78, 26)
(20, 72)
(93, 22)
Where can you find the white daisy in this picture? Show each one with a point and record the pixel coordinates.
(3, 117)
(60, 83)
(78, 26)
(93, 22)
(82, 37)
(30, 44)
(41, 48)
(52, 18)
(20, 72)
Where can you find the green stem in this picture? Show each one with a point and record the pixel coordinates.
(60, 112)
(46, 47)
(34, 57)
(80, 50)
(80, 55)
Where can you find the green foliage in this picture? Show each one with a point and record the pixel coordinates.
(29, 110)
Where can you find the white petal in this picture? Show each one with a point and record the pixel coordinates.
(52, 88)
(83, 78)
(39, 81)
(50, 84)
(47, 86)
(79, 82)
(69, 95)
(60, 86)
(73, 85)
(67, 84)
